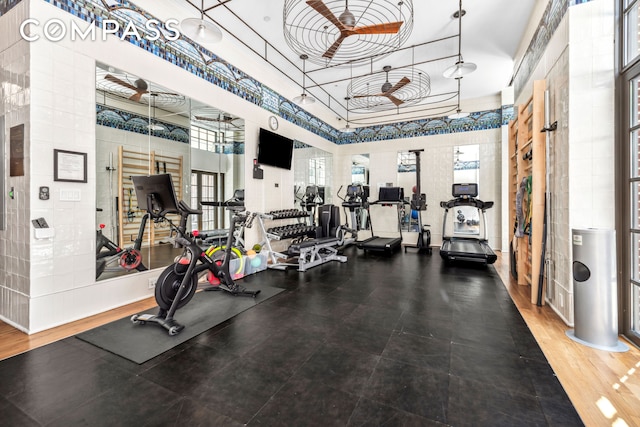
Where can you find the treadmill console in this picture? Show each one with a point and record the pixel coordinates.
(464, 190)
(391, 195)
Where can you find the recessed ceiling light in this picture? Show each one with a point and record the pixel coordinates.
(266, 19)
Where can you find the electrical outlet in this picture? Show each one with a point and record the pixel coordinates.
(152, 283)
(560, 300)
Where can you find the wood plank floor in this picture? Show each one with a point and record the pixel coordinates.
(603, 386)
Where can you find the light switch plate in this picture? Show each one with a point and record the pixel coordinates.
(70, 195)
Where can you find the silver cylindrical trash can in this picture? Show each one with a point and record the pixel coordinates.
(595, 292)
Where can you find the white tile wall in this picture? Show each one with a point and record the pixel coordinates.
(581, 83)
(14, 241)
(436, 176)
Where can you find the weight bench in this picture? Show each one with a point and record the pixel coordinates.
(314, 252)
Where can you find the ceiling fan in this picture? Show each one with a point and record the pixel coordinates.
(387, 89)
(346, 24)
(140, 87)
(220, 119)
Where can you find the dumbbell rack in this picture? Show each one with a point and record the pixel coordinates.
(278, 260)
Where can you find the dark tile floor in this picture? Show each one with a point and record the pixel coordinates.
(396, 341)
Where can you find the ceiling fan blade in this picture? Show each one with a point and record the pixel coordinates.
(403, 82)
(136, 96)
(323, 10)
(388, 28)
(114, 79)
(205, 119)
(334, 47)
(166, 93)
(395, 100)
(368, 96)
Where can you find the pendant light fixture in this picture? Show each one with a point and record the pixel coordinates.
(460, 68)
(347, 129)
(304, 98)
(199, 30)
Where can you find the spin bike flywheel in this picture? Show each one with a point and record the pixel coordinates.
(130, 259)
(168, 284)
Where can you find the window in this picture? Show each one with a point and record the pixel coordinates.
(207, 186)
(317, 172)
(628, 170)
(631, 33)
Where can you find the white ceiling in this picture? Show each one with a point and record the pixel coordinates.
(253, 40)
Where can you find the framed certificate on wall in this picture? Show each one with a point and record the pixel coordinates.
(69, 166)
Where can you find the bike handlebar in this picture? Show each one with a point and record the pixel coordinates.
(226, 204)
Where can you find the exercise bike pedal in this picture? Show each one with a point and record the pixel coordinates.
(141, 319)
(239, 291)
(172, 327)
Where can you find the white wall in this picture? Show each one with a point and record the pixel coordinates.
(436, 177)
(15, 241)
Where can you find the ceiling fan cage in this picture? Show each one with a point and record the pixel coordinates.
(137, 89)
(404, 87)
(325, 30)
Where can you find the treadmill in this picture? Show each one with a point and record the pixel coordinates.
(466, 244)
(387, 196)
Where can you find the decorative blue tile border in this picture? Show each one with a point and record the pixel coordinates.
(464, 166)
(132, 122)
(508, 114)
(480, 120)
(136, 123)
(203, 63)
(7, 5)
(551, 18)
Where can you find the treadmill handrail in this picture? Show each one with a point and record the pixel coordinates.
(466, 201)
(388, 202)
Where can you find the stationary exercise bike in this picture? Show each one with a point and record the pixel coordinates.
(111, 257)
(177, 284)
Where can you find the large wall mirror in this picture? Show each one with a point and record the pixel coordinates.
(466, 169)
(145, 129)
(466, 164)
(312, 166)
(407, 180)
(360, 169)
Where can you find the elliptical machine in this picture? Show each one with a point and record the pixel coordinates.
(356, 206)
(419, 203)
(310, 201)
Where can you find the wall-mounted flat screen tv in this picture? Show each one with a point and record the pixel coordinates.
(274, 150)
